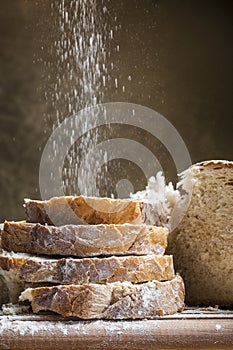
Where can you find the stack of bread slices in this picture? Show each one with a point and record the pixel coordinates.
(91, 258)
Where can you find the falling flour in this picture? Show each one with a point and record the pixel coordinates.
(78, 77)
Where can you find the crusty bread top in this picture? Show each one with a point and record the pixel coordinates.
(92, 210)
(110, 301)
(84, 240)
(221, 163)
(75, 210)
(218, 164)
(135, 269)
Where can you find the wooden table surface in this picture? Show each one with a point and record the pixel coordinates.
(194, 328)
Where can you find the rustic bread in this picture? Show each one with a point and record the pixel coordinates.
(202, 244)
(135, 269)
(84, 240)
(92, 210)
(119, 300)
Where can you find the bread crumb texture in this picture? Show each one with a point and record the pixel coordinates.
(202, 244)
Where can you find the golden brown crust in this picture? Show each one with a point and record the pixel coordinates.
(84, 240)
(215, 163)
(91, 210)
(135, 269)
(106, 210)
(111, 301)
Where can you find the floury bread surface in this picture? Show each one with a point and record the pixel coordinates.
(91, 210)
(84, 240)
(136, 269)
(202, 244)
(138, 282)
(119, 300)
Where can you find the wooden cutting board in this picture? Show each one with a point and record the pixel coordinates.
(194, 328)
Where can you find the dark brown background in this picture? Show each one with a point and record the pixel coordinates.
(179, 54)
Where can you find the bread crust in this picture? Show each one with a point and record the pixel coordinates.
(75, 210)
(135, 269)
(213, 163)
(84, 240)
(111, 301)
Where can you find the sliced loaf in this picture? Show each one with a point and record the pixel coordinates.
(202, 244)
(134, 269)
(84, 240)
(60, 211)
(119, 300)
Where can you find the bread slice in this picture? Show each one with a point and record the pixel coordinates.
(119, 300)
(134, 269)
(202, 244)
(84, 240)
(67, 210)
